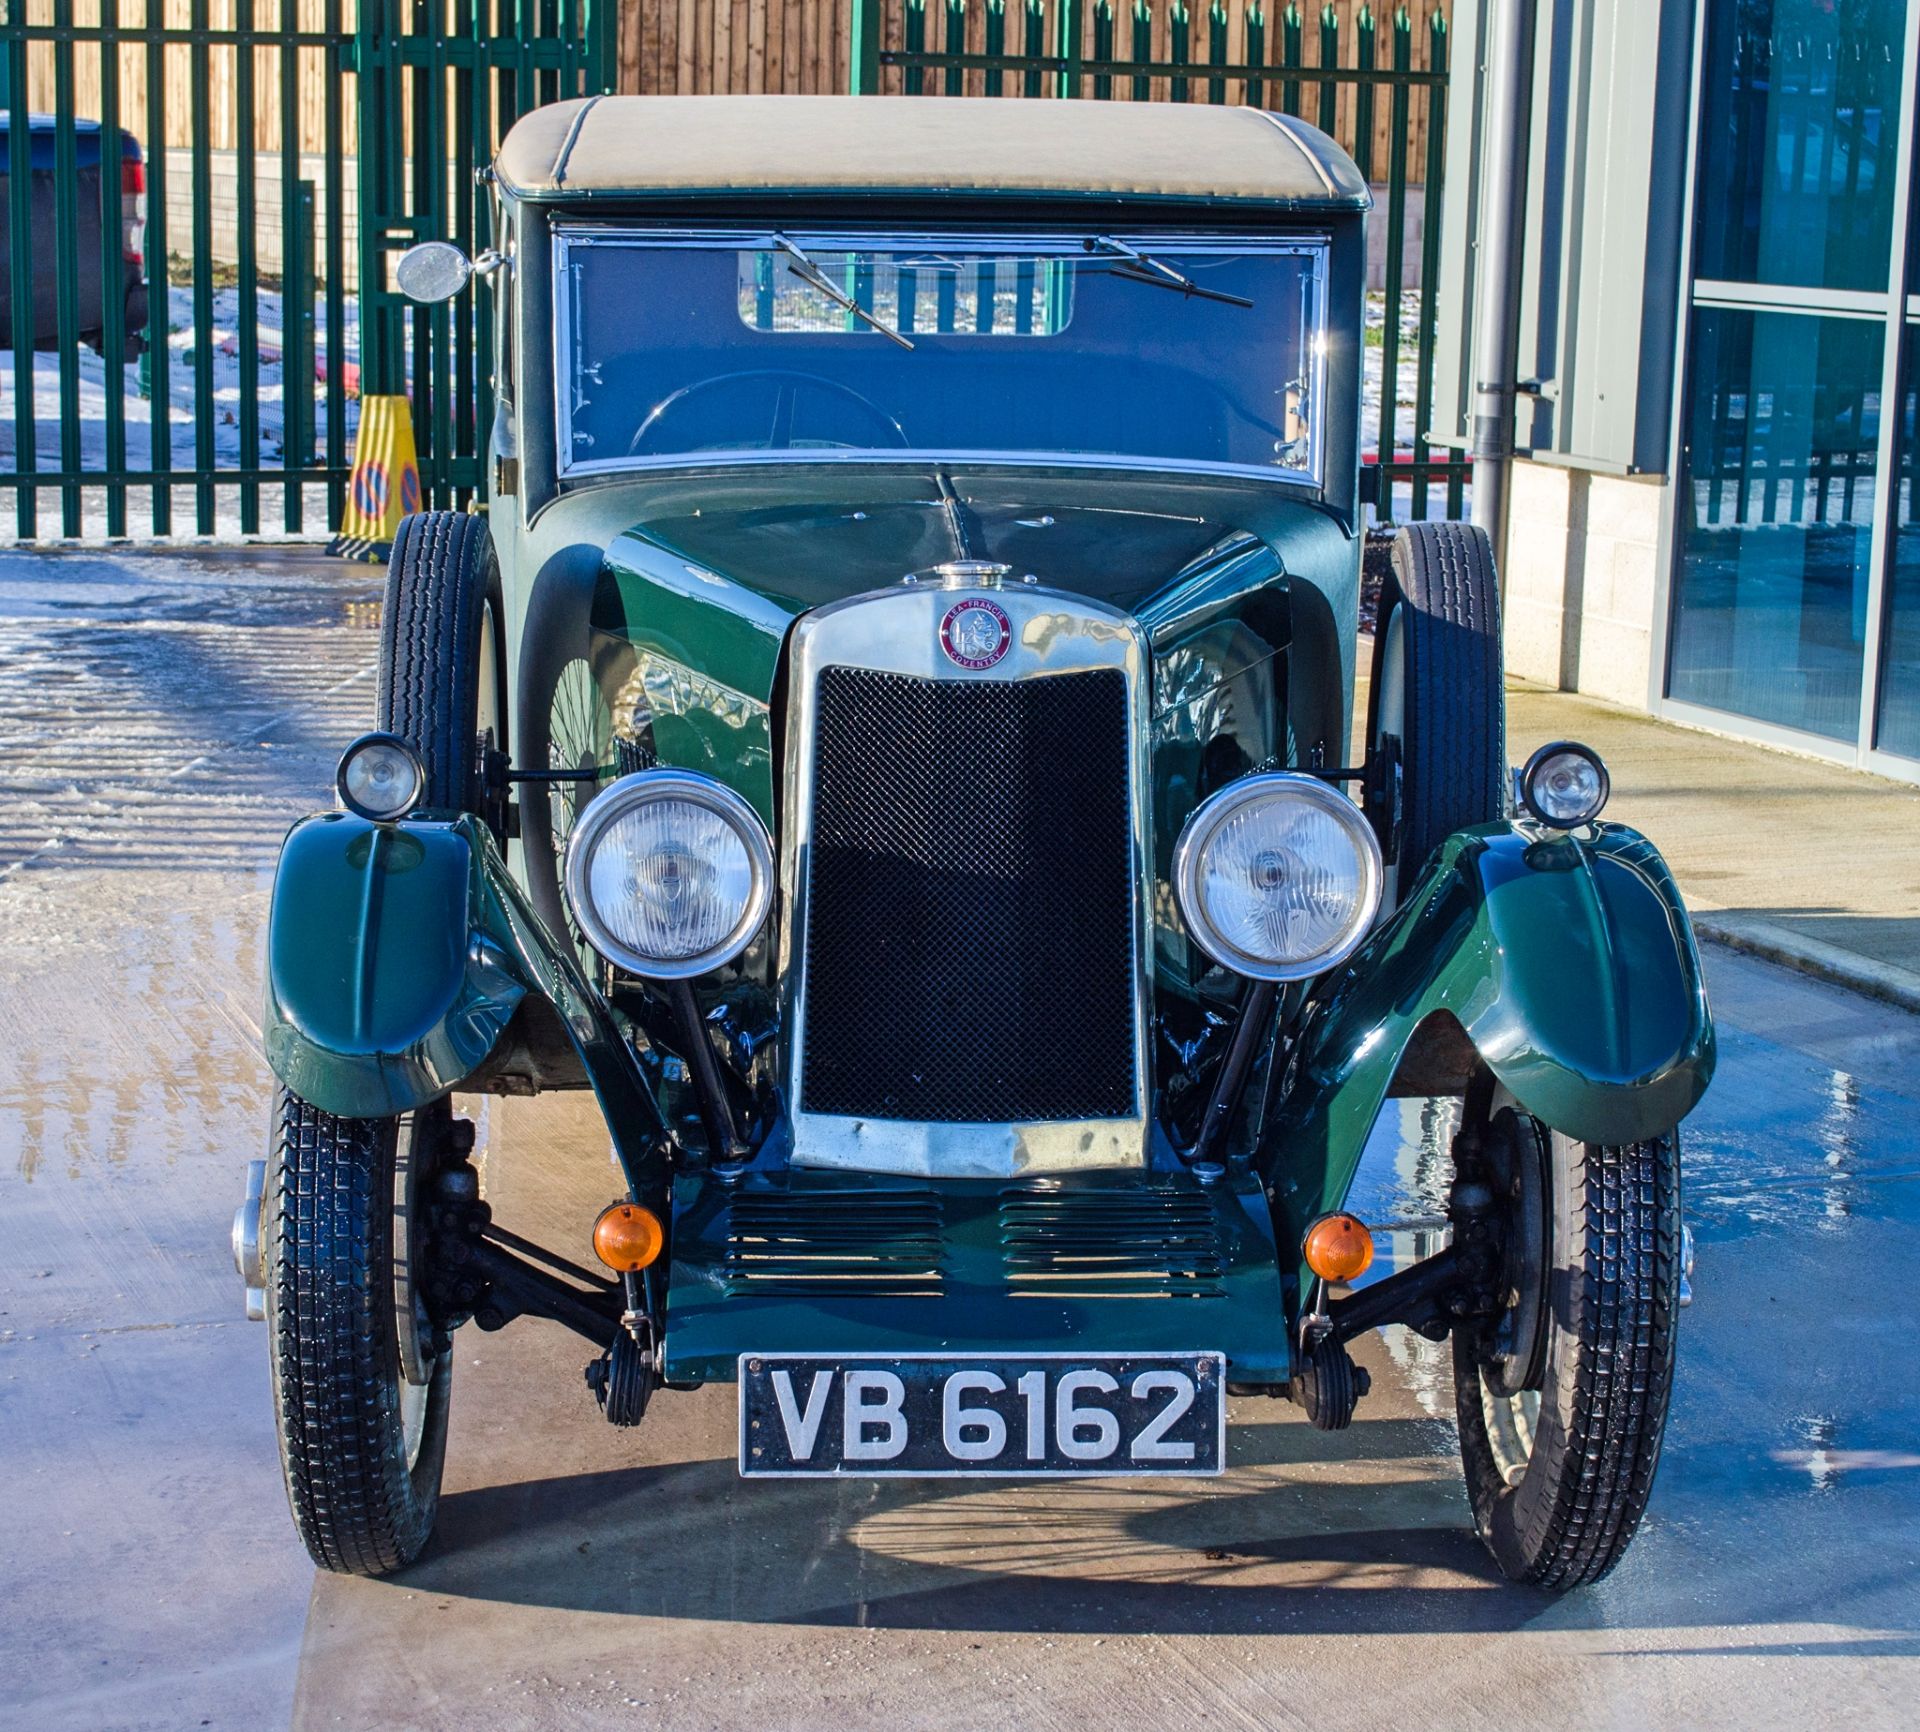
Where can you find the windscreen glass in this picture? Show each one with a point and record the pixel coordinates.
(1168, 350)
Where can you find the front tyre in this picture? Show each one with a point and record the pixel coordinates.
(361, 1383)
(1562, 1400)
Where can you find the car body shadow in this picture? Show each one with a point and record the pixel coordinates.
(1275, 1546)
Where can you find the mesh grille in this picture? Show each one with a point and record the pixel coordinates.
(970, 900)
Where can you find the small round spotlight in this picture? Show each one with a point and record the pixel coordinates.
(380, 777)
(1564, 785)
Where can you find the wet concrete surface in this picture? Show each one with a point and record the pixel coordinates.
(162, 719)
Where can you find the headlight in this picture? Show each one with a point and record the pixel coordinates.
(669, 874)
(380, 777)
(1278, 876)
(1564, 785)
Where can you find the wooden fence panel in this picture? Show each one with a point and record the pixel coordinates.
(712, 45)
(694, 46)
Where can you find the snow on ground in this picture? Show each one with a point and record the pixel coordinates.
(271, 396)
(182, 385)
(1373, 358)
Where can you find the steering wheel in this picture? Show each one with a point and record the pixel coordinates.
(767, 396)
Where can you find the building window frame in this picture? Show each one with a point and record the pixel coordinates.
(1897, 308)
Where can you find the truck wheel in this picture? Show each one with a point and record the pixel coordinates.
(1562, 1399)
(442, 677)
(1436, 706)
(361, 1382)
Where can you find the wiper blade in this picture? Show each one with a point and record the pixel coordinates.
(1141, 267)
(811, 274)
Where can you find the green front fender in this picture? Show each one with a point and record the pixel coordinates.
(1568, 961)
(397, 955)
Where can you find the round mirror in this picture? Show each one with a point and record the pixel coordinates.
(432, 271)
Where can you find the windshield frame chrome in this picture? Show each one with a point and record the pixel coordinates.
(1314, 243)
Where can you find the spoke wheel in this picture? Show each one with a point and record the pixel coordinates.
(579, 741)
(416, 1139)
(1511, 1422)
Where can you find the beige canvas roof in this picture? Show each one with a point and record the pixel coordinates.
(667, 145)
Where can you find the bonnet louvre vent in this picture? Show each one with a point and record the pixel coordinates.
(880, 1244)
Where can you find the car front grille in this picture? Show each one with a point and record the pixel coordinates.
(969, 899)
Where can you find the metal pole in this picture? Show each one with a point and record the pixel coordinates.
(1496, 333)
(863, 49)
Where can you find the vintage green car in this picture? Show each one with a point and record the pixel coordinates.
(888, 737)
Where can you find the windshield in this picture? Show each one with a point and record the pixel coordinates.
(1173, 350)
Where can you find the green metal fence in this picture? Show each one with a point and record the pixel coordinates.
(288, 148)
(440, 81)
(1352, 72)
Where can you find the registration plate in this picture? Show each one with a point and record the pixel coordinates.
(997, 1415)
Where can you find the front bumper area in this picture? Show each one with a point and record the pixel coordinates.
(827, 1263)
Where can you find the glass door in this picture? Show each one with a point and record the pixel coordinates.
(1795, 596)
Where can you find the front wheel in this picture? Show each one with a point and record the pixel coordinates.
(1562, 1399)
(361, 1379)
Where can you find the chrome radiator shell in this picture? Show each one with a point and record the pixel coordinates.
(899, 632)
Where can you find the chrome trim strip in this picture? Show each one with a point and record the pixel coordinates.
(898, 631)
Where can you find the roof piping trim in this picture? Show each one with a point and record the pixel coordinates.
(572, 138)
(1279, 123)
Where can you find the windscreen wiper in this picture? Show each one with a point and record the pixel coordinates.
(809, 273)
(1140, 267)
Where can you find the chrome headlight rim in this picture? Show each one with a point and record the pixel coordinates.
(1189, 856)
(359, 808)
(644, 787)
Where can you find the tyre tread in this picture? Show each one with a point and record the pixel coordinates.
(330, 1275)
(437, 583)
(1610, 1378)
(1454, 743)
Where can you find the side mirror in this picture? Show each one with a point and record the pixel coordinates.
(432, 271)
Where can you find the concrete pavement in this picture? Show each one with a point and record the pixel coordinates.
(1789, 858)
(161, 720)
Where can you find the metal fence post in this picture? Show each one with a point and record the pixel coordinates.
(863, 49)
(1067, 25)
(298, 317)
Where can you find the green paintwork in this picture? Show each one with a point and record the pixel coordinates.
(374, 1004)
(1248, 593)
(397, 954)
(713, 1317)
(646, 619)
(1571, 965)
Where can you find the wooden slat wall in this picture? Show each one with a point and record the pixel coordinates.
(134, 15)
(695, 46)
